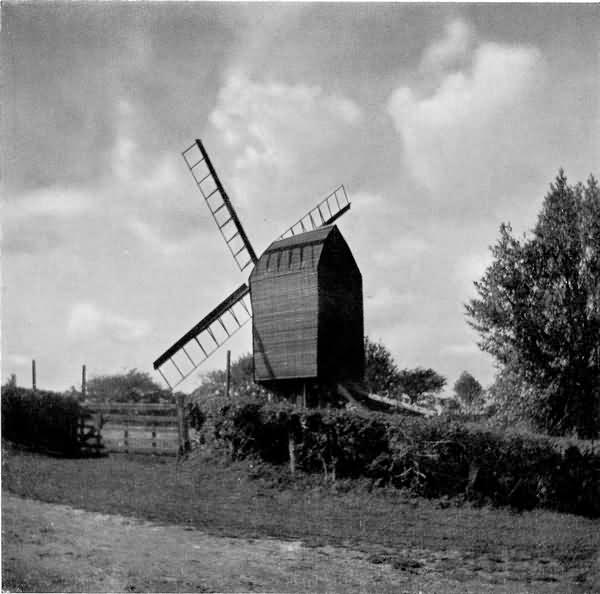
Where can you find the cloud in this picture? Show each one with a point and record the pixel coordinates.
(470, 268)
(18, 360)
(451, 49)
(53, 202)
(138, 170)
(272, 129)
(40, 220)
(471, 135)
(403, 249)
(386, 299)
(23, 240)
(158, 242)
(87, 321)
(150, 191)
(461, 349)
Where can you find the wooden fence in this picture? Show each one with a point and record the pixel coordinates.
(89, 435)
(139, 428)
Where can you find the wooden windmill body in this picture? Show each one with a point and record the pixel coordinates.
(306, 294)
(304, 297)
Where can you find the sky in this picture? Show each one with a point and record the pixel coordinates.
(441, 120)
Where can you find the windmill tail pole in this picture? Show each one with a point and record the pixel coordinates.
(365, 398)
(345, 393)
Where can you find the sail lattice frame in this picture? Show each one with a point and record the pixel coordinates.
(181, 359)
(331, 208)
(219, 205)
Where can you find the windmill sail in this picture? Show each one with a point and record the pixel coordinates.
(181, 359)
(205, 176)
(326, 212)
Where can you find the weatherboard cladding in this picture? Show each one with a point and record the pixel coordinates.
(306, 296)
(341, 330)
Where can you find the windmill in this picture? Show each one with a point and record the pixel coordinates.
(304, 296)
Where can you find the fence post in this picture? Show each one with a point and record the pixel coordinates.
(228, 374)
(83, 383)
(182, 428)
(292, 452)
(33, 378)
(98, 440)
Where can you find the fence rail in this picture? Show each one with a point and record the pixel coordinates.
(159, 428)
(89, 436)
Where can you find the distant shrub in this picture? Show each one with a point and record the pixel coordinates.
(431, 457)
(42, 421)
(133, 386)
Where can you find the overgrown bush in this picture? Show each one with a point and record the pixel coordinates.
(43, 421)
(430, 457)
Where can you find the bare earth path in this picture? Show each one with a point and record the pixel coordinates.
(50, 547)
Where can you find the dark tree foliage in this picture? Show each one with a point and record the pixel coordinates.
(381, 372)
(429, 457)
(133, 386)
(538, 309)
(382, 375)
(468, 390)
(41, 420)
(419, 381)
(241, 381)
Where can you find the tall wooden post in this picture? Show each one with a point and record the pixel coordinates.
(228, 374)
(33, 378)
(292, 452)
(83, 383)
(182, 426)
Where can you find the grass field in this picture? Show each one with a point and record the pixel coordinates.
(227, 501)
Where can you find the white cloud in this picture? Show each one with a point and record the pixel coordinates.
(449, 50)
(87, 321)
(470, 268)
(461, 349)
(49, 202)
(462, 140)
(152, 237)
(401, 249)
(273, 127)
(138, 171)
(18, 360)
(42, 219)
(386, 299)
(366, 204)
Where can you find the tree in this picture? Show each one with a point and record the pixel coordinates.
(417, 382)
(468, 390)
(538, 308)
(381, 373)
(133, 386)
(517, 403)
(241, 382)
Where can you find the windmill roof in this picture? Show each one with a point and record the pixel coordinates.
(292, 254)
(317, 236)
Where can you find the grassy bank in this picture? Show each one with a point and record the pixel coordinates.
(227, 501)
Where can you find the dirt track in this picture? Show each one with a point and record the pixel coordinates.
(49, 547)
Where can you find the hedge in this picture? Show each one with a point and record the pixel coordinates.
(430, 457)
(43, 421)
